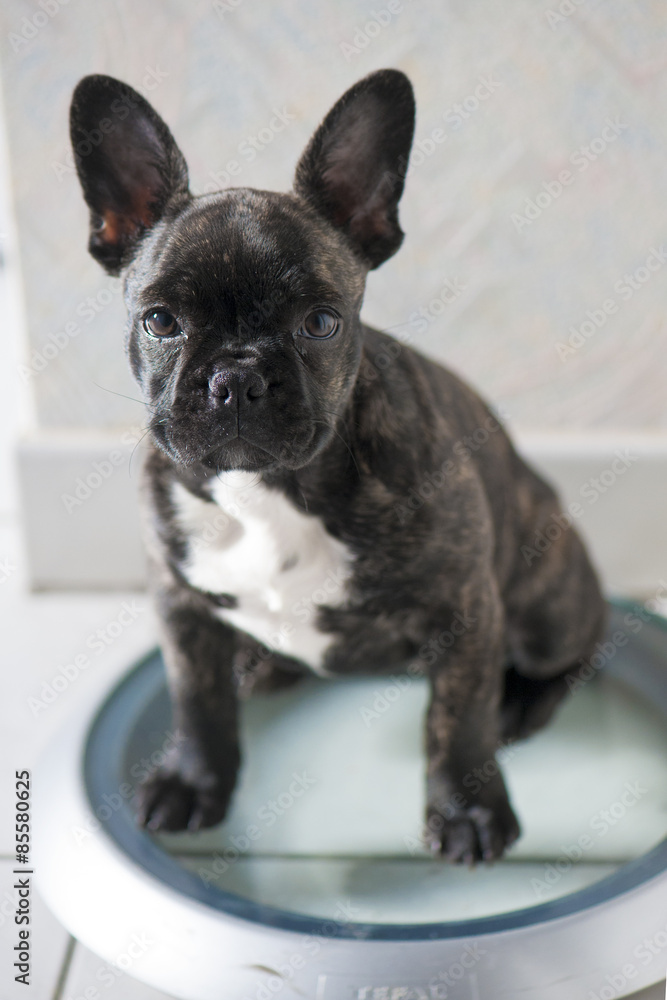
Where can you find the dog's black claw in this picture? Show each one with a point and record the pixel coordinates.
(167, 802)
(478, 833)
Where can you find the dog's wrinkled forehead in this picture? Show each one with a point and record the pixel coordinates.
(240, 249)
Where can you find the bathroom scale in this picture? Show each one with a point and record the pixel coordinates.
(317, 885)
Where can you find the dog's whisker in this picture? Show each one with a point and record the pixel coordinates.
(123, 395)
(342, 439)
(129, 468)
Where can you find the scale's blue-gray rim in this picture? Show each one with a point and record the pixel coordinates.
(645, 654)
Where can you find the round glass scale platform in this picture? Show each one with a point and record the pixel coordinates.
(317, 884)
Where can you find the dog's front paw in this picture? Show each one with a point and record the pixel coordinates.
(168, 801)
(477, 833)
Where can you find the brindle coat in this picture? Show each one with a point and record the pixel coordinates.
(397, 458)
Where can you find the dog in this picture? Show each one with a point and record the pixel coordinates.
(317, 496)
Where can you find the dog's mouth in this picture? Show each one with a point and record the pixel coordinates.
(238, 452)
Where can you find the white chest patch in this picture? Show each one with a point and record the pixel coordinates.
(278, 563)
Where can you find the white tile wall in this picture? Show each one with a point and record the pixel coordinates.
(554, 82)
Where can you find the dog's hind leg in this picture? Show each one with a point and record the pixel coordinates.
(529, 703)
(555, 615)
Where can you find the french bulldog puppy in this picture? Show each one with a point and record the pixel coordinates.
(317, 496)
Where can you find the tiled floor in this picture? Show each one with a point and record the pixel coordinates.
(42, 633)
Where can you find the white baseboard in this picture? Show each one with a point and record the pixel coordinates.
(78, 497)
(79, 505)
(619, 482)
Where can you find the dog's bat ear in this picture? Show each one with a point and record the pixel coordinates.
(129, 166)
(353, 169)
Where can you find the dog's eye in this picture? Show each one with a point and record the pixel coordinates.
(319, 324)
(161, 324)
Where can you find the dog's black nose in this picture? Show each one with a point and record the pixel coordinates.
(228, 385)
